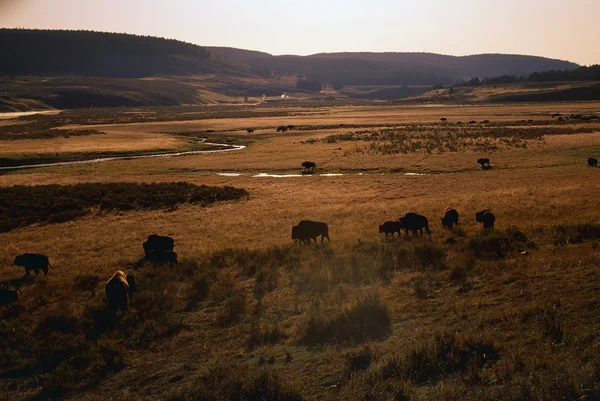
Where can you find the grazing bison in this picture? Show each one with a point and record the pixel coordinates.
(309, 166)
(307, 230)
(443, 119)
(450, 218)
(118, 290)
(483, 162)
(161, 256)
(291, 127)
(390, 227)
(282, 128)
(33, 261)
(250, 131)
(8, 296)
(158, 243)
(486, 217)
(414, 222)
(592, 162)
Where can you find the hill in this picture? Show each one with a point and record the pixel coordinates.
(100, 54)
(395, 68)
(55, 52)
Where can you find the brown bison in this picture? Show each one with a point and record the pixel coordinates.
(486, 217)
(250, 131)
(160, 256)
(414, 222)
(390, 227)
(33, 261)
(307, 230)
(118, 290)
(483, 162)
(450, 218)
(309, 166)
(592, 162)
(8, 296)
(158, 243)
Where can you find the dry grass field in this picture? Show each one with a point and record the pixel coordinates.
(249, 315)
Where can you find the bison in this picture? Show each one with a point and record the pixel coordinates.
(158, 243)
(282, 128)
(118, 290)
(8, 296)
(486, 217)
(413, 222)
(450, 218)
(592, 162)
(309, 166)
(390, 227)
(307, 230)
(160, 256)
(250, 131)
(33, 261)
(483, 162)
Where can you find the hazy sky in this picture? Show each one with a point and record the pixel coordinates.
(553, 28)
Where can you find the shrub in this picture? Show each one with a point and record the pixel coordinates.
(490, 244)
(366, 319)
(234, 309)
(576, 233)
(260, 335)
(26, 205)
(239, 383)
(86, 282)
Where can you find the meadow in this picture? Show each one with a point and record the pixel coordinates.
(248, 314)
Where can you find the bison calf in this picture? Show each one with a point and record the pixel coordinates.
(486, 217)
(33, 261)
(450, 218)
(414, 222)
(8, 296)
(118, 290)
(390, 227)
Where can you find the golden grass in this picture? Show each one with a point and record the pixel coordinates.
(542, 186)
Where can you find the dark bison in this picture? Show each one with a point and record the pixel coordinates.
(283, 128)
(486, 217)
(250, 131)
(309, 166)
(390, 227)
(118, 290)
(33, 261)
(8, 296)
(307, 230)
(443, 119)
(450, 218)
(414, 222)
(483, 162)
(592, 162)
(158, 243)
(291, 127)
(161, 256)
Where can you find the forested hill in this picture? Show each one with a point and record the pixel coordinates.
(55, 52)
(86, 53)
(393, 68)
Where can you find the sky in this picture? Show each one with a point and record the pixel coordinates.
(562, 29)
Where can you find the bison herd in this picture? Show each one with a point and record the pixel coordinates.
(157, 250)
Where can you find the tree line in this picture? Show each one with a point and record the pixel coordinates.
(591, 73)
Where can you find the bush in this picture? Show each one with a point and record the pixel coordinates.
(26, 205)
(239, 383)
(233, 311)
(366, 319)
(576, 233)
(264, 335)
(491, 244)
